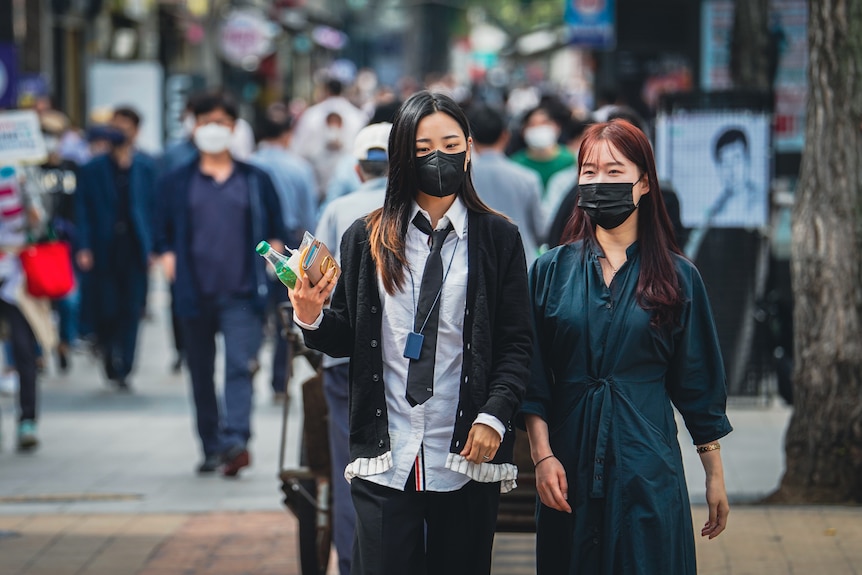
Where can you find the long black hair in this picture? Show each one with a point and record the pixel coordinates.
(387, 226)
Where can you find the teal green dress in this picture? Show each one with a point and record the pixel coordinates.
(604, 381)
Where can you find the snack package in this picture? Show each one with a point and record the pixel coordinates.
(316, 259)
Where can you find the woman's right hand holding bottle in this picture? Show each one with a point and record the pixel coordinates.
(308, 300)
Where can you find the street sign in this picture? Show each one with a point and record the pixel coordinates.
(591, 23)
(21, 137)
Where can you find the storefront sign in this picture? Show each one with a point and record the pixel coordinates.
(591, 23)
(21, 137)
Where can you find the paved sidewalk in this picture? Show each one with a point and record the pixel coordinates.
(112, 490)
(761, 541)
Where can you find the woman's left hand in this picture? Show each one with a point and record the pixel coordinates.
(482, 444)
(719, 508)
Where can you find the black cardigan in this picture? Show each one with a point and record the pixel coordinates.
(497, 335)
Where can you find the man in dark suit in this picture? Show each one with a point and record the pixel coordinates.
(114, 203)
(212, 212)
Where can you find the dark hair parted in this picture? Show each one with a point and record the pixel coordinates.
(387, 226)
(211, 101)
(128, 113)
(729, 137)
(658, 289)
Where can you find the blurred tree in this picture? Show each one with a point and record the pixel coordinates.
(520, 16)
(824, 440)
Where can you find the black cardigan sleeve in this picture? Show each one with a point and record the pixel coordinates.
(334, 336)
(512, 334)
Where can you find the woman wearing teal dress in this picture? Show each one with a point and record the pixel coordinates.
(623, 332)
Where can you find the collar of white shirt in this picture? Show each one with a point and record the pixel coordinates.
(457, 214)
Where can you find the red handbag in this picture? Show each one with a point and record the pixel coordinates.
(48, 269)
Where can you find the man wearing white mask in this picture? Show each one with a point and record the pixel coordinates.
(212, 212)
(544, 155)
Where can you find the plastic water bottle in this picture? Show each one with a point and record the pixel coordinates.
(286, 269)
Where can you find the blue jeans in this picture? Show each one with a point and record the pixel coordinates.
(242, 327)
(67, 314)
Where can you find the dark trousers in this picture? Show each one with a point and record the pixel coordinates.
(23, 344)
(242, 329)
(117, 332)
(424, 533)
(176, 327)
(336, 381)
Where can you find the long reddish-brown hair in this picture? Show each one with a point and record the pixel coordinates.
(658, 289)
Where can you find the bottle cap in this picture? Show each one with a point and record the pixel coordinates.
(263, 247)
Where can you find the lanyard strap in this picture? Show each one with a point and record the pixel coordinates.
(439, 291)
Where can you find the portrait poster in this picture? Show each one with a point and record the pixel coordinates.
(719, 163)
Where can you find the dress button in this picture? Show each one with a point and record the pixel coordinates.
(468, 345)
(608, 305)
(380, 443)
(598, 477)
(374, 309)
(375, 377)
(457, 444)
(379, 412)
(466, 378)
(373, 343)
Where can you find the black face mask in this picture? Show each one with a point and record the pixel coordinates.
(441, 174)
(607, 205)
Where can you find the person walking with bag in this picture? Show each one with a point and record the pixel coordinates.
(431, 308)
(624, 332)
(28, 319)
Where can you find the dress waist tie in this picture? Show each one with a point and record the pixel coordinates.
(600, 412)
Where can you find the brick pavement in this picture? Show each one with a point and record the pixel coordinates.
(762, 540)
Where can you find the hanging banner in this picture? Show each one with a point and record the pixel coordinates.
(591, 23)
(8, 76)
(21, 137)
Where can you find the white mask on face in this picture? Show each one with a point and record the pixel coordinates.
(213, 138)
(540, 137)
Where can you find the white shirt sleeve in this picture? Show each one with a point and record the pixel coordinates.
(492, 422)
(309, 326)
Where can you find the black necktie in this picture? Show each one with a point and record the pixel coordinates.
(420, 373)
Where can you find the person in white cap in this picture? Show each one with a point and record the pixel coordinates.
(372, 167)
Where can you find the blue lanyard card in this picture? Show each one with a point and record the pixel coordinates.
(413, 348)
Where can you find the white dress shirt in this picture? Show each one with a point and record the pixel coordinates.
(420, 435)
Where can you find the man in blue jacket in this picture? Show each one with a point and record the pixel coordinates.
(211, 214)
(113, 211)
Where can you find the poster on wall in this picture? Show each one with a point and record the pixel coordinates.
(719, 164)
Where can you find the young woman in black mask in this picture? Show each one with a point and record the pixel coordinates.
(623, 330)
(432, 308)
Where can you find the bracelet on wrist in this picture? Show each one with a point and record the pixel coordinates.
(708, 447)
(536, 464)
